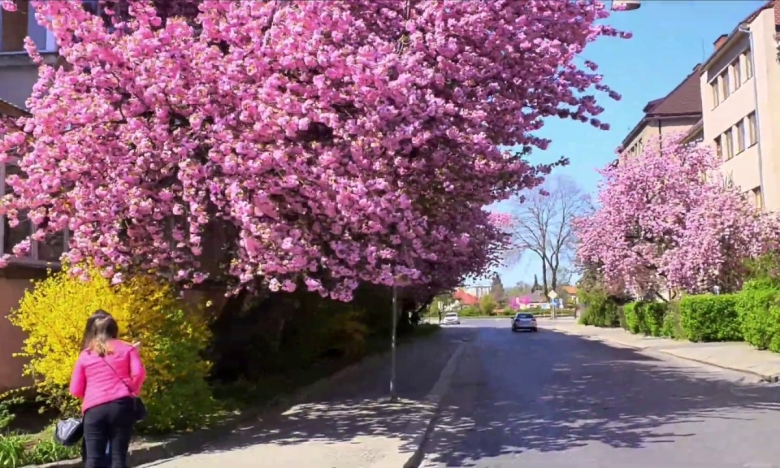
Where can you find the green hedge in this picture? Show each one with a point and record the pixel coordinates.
(758, 305)
(600, 311)
(710, 318)
(470, 311)
(646, 318)
(672, 328)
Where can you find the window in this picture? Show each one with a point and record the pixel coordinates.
(715, 93)
(50, 251)
(726, 84)
(752, 130)
(736, 68)
(740, 131)
(748, 56)
(728, 146)
(718, 148)
(15, 26)
(758, 199)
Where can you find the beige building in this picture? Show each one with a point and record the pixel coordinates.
(677, 112)
(741, 105)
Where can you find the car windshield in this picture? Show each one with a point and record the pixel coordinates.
(451, 314)
(524, 316)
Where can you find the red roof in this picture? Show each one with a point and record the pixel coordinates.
(465, 298)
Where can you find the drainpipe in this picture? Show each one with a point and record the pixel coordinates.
(660, 137)
(745, 28)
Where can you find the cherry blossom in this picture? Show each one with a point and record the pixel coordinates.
(285, 143)
(668, 221)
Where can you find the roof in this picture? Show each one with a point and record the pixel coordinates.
(536, 297)
(570, 290)
(465, 298)
(749, 19)
(683, 101)
(11, 110)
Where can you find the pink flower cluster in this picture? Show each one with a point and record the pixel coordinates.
(667, 221)
(281, 143)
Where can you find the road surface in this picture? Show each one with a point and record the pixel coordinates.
(517, 400)
(547, 400)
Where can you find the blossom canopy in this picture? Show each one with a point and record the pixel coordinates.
(279, 143)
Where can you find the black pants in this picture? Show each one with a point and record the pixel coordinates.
(109, 422)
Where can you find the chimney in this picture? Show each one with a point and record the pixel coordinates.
(720, 41)
(777, 13)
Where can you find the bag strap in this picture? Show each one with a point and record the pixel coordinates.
(117, 375)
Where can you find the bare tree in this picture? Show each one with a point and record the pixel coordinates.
(543, 225)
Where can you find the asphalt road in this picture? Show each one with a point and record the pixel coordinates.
(547, 400)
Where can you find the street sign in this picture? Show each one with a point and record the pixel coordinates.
(552, 294)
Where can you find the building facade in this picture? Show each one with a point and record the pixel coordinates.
(741, 105)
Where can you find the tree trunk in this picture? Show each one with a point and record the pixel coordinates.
(544, 277)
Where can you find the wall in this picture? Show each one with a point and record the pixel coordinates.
(11, 337)
(760, 94)
(767, 76)
(669, 126)
(16, 82)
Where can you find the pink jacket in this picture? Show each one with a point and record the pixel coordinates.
(95, 383)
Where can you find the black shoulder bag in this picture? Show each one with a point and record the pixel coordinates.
(139, 408)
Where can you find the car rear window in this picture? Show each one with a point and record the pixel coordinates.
(525, 316)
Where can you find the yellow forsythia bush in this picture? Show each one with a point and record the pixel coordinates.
(172, 338)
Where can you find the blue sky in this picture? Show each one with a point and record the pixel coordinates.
(670, 38)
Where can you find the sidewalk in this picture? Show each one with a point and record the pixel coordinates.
(345, 421)
(739, 357)
(348, 422)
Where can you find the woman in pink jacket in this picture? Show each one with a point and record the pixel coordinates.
(108, 375)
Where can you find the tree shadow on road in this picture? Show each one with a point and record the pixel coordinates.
(595, 394)
(354, 411)
(580, 393)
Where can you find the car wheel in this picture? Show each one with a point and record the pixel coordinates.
(535, 330)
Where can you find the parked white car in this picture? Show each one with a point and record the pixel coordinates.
(451, 318)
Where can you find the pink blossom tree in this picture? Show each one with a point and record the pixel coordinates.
(278, 143)
(667, 222)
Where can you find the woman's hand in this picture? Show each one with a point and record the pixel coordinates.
(137, 345)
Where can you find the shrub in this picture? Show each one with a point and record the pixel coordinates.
(645, 317)
(632, 317)
(600, 311)
(757, 305)
(172, 336)
(487, 304)
(710, 318)
(671, 327)
(470, 311)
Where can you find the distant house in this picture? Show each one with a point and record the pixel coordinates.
(571, 293)
(465, 298)
(476, 291)
(530, 301)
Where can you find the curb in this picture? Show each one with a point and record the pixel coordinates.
(764, 377)
(424, 429)
(181, 445)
